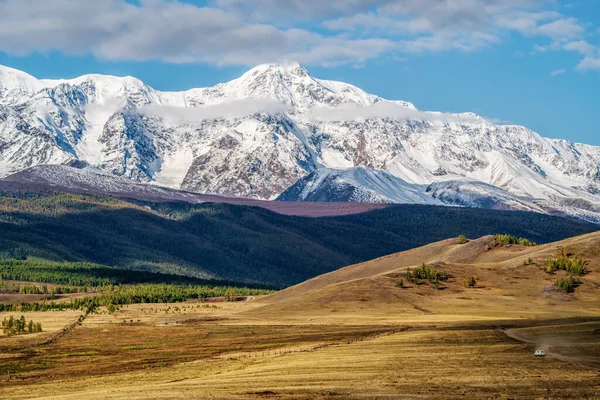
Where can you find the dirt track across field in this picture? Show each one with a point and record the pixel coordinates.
(549, 346)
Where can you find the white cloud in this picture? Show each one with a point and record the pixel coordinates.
(589, 63)
(590, 52)
(461, 25)
(386, 109)
(557, 72)
(351, 111)
(227, 110)
(554, 46)
(580, 46)
(268, 10)
(169, 31)
(242, 32)
(565, 28)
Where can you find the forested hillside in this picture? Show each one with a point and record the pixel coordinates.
(236, 243)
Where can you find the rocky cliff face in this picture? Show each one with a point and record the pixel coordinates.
(277, 127)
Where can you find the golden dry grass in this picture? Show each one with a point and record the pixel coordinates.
(506, 288)
(345, 335)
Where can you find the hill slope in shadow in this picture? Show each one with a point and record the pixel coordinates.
(239, 243)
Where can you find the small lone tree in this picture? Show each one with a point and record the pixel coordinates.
(230, 294)
(400, 283)
(470, 282)
(462, 239)
(409, 275)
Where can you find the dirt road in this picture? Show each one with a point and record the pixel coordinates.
(550, 348)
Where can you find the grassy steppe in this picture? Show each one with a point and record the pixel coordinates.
(349, 334)
(219, 353)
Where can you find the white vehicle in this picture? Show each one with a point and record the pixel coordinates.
(539, 353)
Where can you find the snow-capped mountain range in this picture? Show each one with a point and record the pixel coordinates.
(278, 133)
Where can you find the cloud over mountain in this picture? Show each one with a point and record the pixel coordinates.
(236, 32)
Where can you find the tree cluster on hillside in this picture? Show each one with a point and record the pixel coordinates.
(505, 240)
(427, 273)
(152, 293)
(528, 261)
(13, 253)
(55, 203)
(572, 264)
(39, 306)
(81, 275)
(19, 326)
(12, 287)
(65, 273)
(569, 284)
(112, 296)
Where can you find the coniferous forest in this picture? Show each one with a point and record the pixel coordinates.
(225, 242)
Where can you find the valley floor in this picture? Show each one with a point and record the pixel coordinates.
(224, 351)
(364, 331)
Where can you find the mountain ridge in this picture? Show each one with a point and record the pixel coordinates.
(264, 132)
(44, 179)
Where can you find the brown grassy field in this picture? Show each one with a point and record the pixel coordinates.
(348, 334)
(10, 297)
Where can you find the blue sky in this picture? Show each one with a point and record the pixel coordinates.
(529, 62)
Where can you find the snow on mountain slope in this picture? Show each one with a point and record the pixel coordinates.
(77, 177)
(288, 84)
(84, 179)
(480, 195)
(16, 85)
(260, 134)
(358, 184)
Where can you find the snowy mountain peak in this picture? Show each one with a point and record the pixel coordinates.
(289, 84)
(8, 74)
(292, 85)
(291, 67)
(15, 84)
(278, 129)
(102, 89)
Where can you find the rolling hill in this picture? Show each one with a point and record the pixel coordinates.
(239, 243)
(511, 284)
